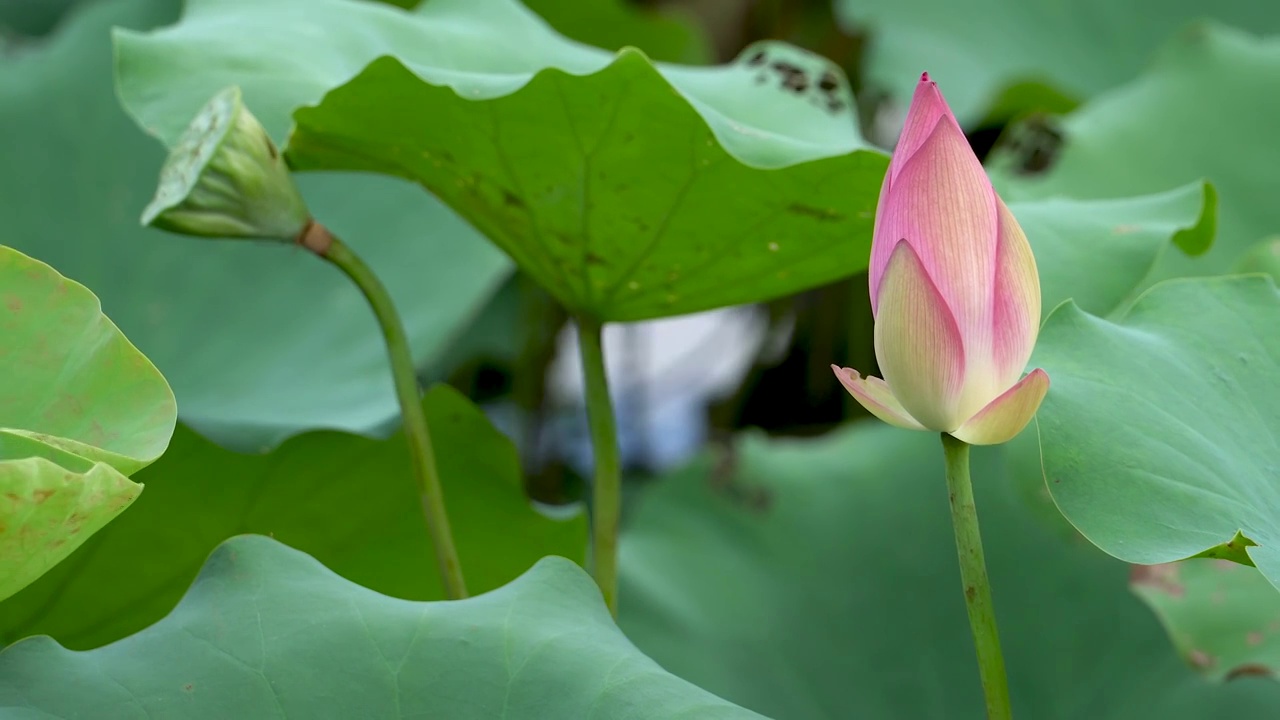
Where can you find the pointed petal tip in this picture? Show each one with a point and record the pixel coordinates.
(1006, 416)
(929, 99)
(878, 267)
(873, 394)
(928, 107)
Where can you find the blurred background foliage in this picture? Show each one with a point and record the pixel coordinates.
(802, 578)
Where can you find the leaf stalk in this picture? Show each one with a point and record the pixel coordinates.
(606, 490)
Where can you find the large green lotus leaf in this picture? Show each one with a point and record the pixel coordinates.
(267, 631)
(615, 24)
(1205, 109)
(1099, 252)
(629, 191)
(258, 342)
(80, 408)
(71, 378)
(31, 18)
(350, 501)
(1223, 617)
(1158, 439)
(1001, 57)
(48, 510)
(818, 579)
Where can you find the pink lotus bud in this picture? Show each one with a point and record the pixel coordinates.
(954, 291)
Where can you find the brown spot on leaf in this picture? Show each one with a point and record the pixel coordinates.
(1162, 578)
(820, 87)
(1253, 638)
(971, 592)
(40, 496)
(67, 403)
(1201, 659)
(13, 302)
(814, 212)
(1126, 229)
(511, 200)
(1035, 145)
(723, 479)
(793, 78)
(1249, 670)
(725, 466)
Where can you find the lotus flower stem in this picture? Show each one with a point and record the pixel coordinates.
(973, 574)
(317, 239)
(606, 490)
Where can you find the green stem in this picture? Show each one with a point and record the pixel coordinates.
(606, 491)
(973, 573)
(410, 397)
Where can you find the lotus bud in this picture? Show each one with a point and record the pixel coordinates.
(225, 178)
(954, 291)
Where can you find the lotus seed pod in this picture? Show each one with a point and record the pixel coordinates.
(225, 178)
